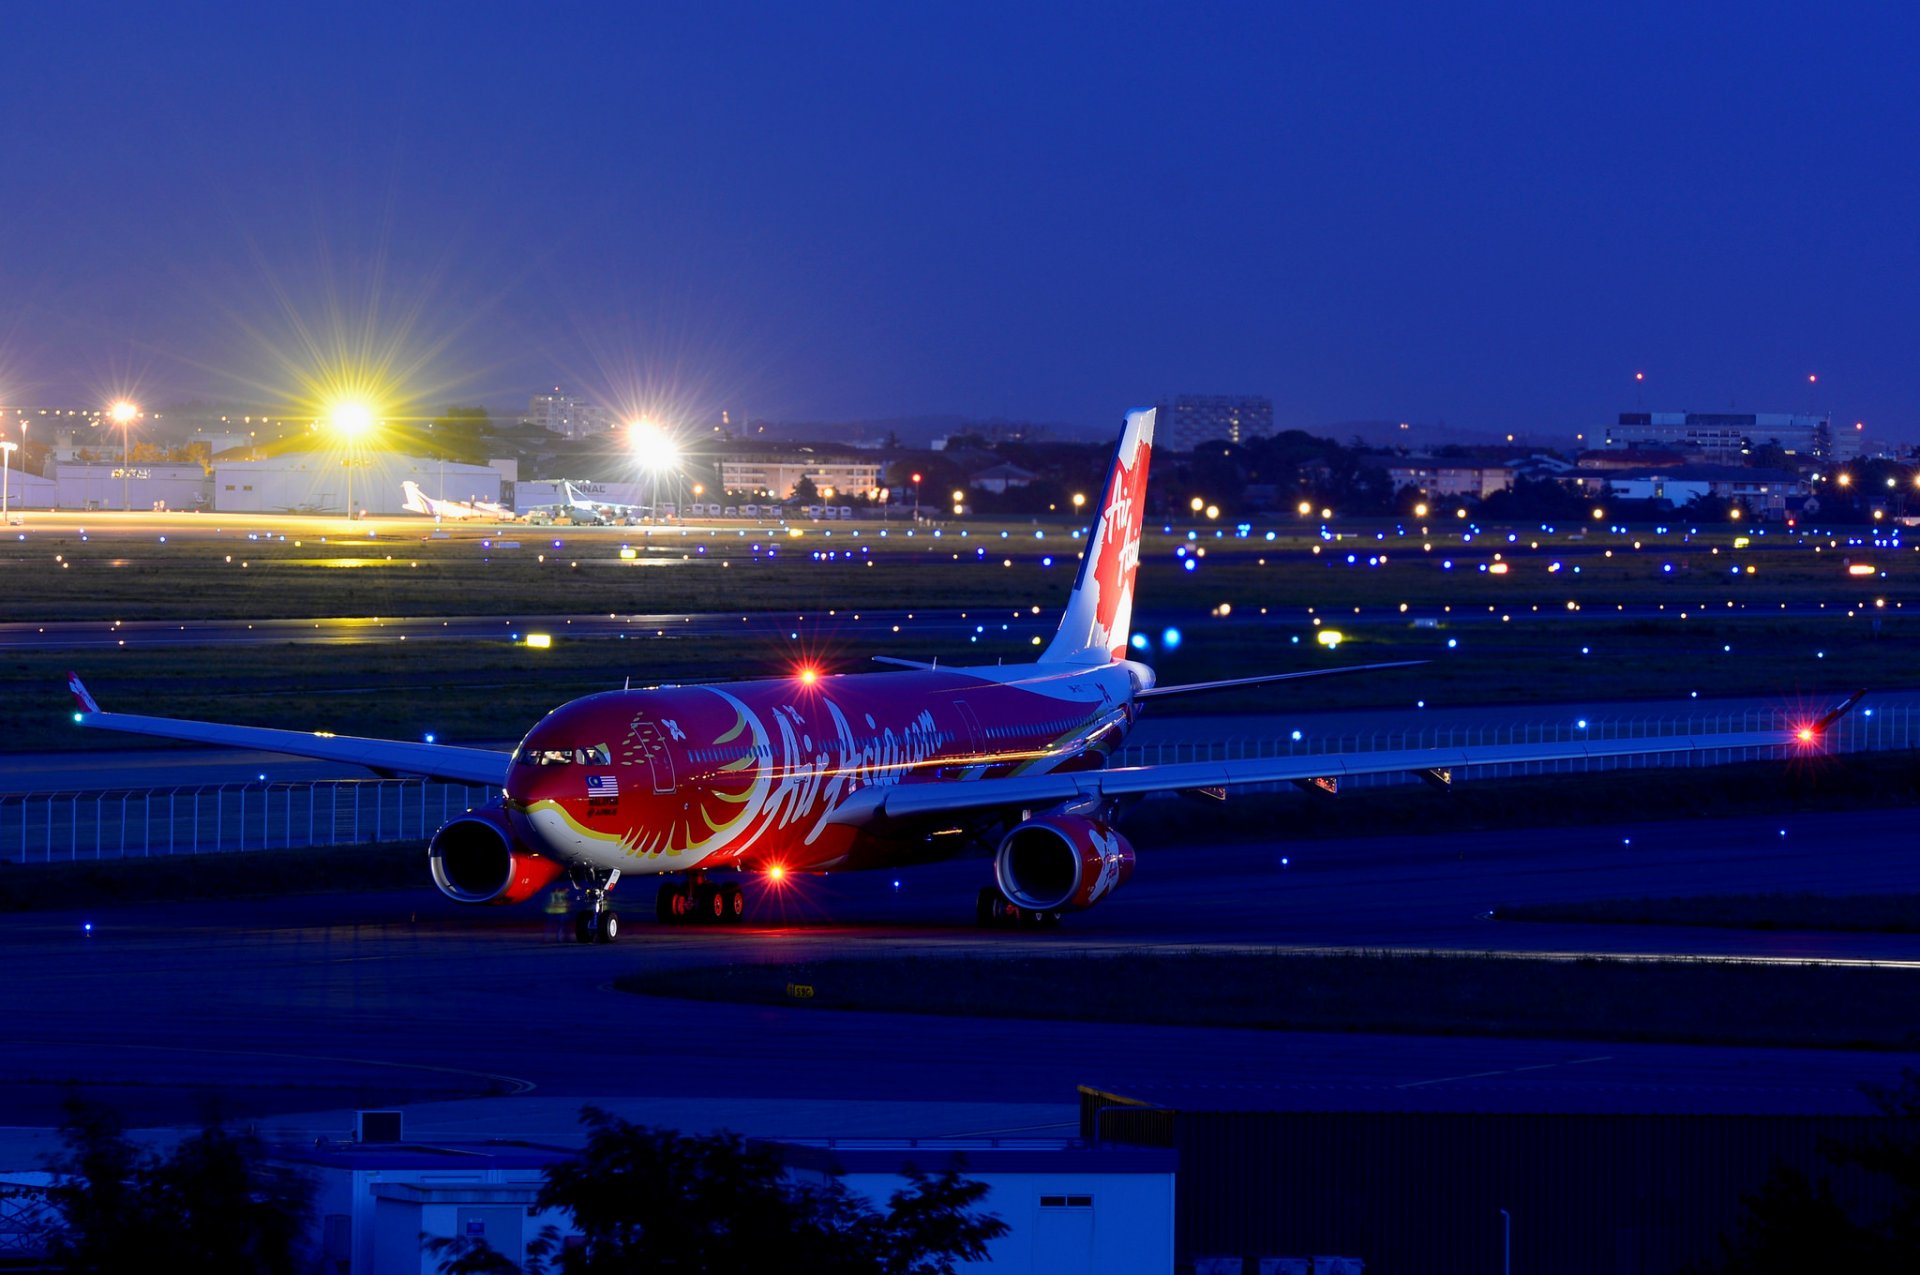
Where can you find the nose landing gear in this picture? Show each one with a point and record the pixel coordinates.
(593, 920)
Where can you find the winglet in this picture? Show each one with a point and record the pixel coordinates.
(1838, 711)
(81, 700)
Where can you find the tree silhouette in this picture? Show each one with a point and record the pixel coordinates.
(214, 1205)
(658, 1200)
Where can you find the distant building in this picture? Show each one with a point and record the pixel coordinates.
(137, 486)
(316, 482)
(1192, 419)
(1730, 437)
(1768, 493)
(1429, 477)
(1000, 477)
(1630, 458)
(567, 415)
(775, 476)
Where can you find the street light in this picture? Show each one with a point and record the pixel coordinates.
(350, 419)
(6, 454)
(123, 413)
(657, 453)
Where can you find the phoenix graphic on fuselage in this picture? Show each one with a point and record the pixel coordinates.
(699, 785)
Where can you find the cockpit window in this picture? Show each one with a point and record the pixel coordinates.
(597, 755)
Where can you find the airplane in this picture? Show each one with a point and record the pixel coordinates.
(607, 511)
(699, 786)
(418, 502)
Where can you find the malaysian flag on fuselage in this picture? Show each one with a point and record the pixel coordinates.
(603, 786)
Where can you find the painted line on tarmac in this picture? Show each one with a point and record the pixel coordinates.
(516, 1085)
(1504, 1071)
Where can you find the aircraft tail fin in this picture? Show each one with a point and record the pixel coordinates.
(1099, 614)
(416, 500)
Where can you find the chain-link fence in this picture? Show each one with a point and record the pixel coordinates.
(1864, 730)
(53, 827)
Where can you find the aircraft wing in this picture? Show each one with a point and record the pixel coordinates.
(1023, 791)
(385, 756)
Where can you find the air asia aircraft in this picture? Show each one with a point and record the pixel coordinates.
(699, 786)
(418, 502)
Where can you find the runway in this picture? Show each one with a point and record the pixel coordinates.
(299, 1004)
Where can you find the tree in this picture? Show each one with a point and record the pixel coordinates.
(804, 492)
(1794, 1225)
(214, 1205)
(658, 1200)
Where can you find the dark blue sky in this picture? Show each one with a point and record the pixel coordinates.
(1487, 215)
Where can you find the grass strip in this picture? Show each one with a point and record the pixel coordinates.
(1683, 1002)
(1847, 913)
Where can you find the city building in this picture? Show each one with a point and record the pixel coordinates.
(776, 475)
(1729, 437)
(568, 415)
(1189, 420)
(1455, 478)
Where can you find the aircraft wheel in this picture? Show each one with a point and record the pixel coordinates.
(986, 909)
(681, 905)
(734, 904)
(609, 928)
(713, 904)
(665, 901)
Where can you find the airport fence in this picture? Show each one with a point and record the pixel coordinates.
(1886, 729)
(41, 827)
(49, 827)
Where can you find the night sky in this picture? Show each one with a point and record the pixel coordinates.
(1491, 216)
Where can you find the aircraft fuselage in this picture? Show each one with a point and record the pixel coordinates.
(750, 774)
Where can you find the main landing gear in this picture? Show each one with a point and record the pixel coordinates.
(593, 920)
(697, 899)
(995, 910)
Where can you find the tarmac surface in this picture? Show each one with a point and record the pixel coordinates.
(292, 1010)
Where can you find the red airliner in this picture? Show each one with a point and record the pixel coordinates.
(700, 785)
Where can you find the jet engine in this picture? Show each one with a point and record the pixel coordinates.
(1061, 863)
(477, 859)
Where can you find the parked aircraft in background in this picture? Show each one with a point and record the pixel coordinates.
(695, 786)
(418, 502)
(584, 507)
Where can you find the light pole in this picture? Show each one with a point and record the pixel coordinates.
(123, 414)
(6, 455)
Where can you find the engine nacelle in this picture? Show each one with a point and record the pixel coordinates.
(476, 859)
(1062, 863)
